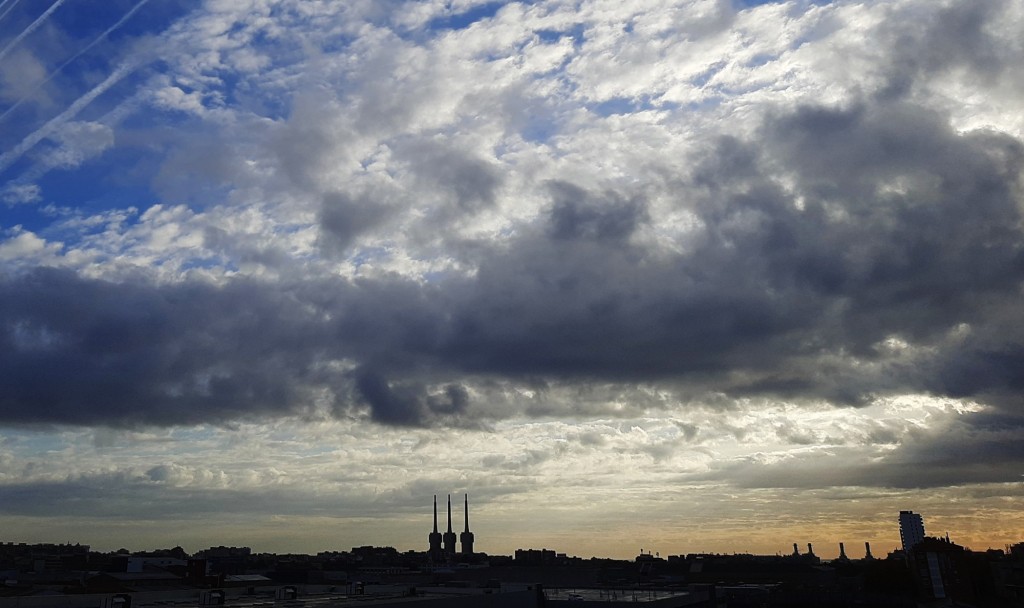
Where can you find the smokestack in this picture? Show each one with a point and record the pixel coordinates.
(466, 538)
(435, 537)
(449, 536)
(842, 552)
(867, 551)
(810, 549)
(796, 550)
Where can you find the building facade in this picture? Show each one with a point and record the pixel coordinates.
(911, 529)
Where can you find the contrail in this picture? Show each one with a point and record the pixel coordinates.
(31, 28)
(9, 157)
(54, 73)
(4, 14)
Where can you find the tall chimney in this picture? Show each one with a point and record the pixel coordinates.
(867, 551)
(435, 537)
(842, 552)
(467, 537)
(449, 536)
(796, 550)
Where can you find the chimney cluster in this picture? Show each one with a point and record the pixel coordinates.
(442, 546)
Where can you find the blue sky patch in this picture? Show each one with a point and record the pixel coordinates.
(465, 19)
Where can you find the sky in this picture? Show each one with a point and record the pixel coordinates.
(679, 275)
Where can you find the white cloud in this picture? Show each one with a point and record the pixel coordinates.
(16, 194)
(78, 142)
(173, 98)
(25, 247)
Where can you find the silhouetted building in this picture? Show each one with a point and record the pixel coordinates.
(911, 529)
(942, 570)
(467, 537)
(1011, 576)
(435, 552)
(842, 553)
(226, 560)
(535, 557)
(809, 557)
(449, 536)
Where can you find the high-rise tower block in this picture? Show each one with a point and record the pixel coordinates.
(911, 529)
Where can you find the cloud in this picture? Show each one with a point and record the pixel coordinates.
(93, 352)
(855, 240)
(343, 219)
(702, 246)
(408, 405)
(954, 37)
(24, 244)
(966, 450)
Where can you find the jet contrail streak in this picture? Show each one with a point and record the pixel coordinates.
(4, 14)
(89, 47)
(31, 28)
(9, 157)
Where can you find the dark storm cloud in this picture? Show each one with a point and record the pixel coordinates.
(156, 493)
(982, 370)
(956, 37)
(575, 214)
(452, 185)
(464, 182)
(343, 218)
(977, 448)
(829, 234)
(895, 226)
(86, 352)
(913, 224)
(408, 404)
(171, 491)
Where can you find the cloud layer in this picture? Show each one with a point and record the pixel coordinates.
(461, 217)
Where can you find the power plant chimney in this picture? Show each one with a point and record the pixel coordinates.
(796, 550)
(435, 536)
(842, 553)
(467, 537)
(867, 551)
(810, 549)
(449, 536)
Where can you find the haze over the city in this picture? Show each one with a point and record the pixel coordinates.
(687, 276)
